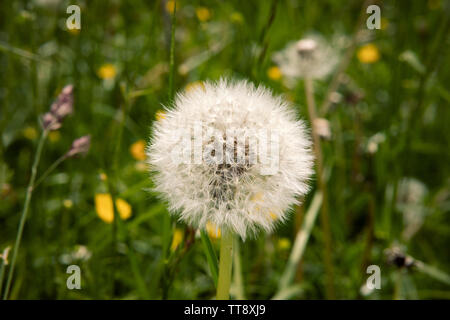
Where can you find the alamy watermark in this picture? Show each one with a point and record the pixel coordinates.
(74, 280)
(374, 20)
(74, 20)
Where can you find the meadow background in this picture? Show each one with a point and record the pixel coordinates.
(387, 159)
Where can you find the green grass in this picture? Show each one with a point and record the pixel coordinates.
(405, 101)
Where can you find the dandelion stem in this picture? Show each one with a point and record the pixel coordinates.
(325, 220)
(23, 217)
(238, 281)
(225, 265)
(432, 272)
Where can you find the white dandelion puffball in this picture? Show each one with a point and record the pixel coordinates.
(311, 57)
(231, 155)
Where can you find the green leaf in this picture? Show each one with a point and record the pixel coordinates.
(210, 256)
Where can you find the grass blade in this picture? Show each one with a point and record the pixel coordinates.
(210, 256)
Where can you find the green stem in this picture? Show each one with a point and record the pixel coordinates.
(24, 212)
(432, 272)
(325, 220)
(2, 274)
(49, 170)
(238, 281)
(300, 242)
(172, 54)
(345, 61)
(225, 265)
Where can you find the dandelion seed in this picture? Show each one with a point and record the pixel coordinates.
(4, 255)
(79, 147)
(368, 53)
(105, 210)
(137, 150)
(322, 127)
(223, 194)
(310, 58)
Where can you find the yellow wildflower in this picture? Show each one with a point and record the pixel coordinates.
(74, 31)
(67, 203)
(170, 6)
(177, 239)
(203, 14)
(103, 176)
(30, 133)
(284, 243)
(105, 209)
(237, 17)
(54, 136)
(213, 230)
(194, 85)
(434, 4)
(368, 53)
(160, 115)
(274, 73)
(137, 150)
(107, 71)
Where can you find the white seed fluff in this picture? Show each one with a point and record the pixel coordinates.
(233, 195)
(311, 57)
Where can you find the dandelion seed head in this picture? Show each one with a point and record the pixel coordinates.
(311, 57)
(233, 194)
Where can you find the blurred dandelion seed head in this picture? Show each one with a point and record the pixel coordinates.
(203, 191)
(310, 57)
(4, 255)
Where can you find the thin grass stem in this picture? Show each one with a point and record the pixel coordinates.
(300, 242)
(24, 214)
(325, 220)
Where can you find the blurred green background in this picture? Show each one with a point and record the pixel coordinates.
(387, 159)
